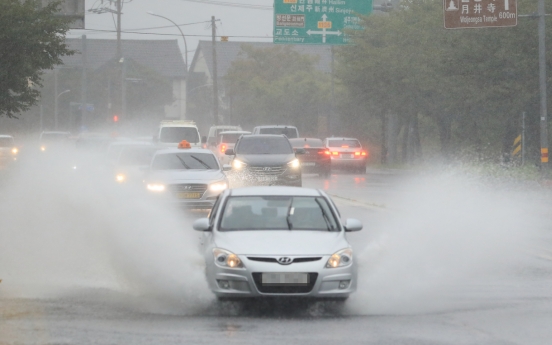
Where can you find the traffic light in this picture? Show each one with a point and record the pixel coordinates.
(115, 118)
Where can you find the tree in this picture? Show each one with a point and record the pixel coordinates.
(277, 85)
(32, 39)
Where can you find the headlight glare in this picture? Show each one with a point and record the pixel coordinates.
(42, 148)
(218, 186)
(294, 164)
(342, 258)
(156, 187)
(226, 259)
(237, 164)
(120, 178)
(15, 150)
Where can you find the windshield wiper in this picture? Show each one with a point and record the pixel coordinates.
(329, 225)
(201, 162)
(182, 161)
(289, 213)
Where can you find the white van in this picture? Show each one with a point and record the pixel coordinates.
(289, 131)
(172, 132)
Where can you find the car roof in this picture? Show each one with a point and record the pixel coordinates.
(177, 150)
(5, 136)
(263, 136)
(341, 138)
(276, 126)
(304, 139)
(274, 190)
(235, 132)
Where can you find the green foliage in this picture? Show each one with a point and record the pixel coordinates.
(32, 39)
(472, 83)
(277, 86)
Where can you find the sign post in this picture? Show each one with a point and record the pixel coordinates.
(317, 21)
(461, 14)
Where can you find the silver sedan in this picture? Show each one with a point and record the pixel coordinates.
(278, 241)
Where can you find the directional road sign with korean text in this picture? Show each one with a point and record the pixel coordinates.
(317, 21)
(461, 14)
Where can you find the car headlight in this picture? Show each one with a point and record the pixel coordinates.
(294, 164)
(15, 150)
(218, 186)
(42, 148)
(342, 258)
(238, 165)
(156, 187)
(226, 259)
(120, 178)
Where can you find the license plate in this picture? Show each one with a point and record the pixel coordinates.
(188, 195)
(285, 279)
(267, 178)
(347, 156)
(308, 164)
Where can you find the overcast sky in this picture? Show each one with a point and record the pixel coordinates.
(234, 21)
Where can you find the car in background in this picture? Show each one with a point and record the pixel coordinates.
(264, 160)
(347, 153)
(212, 138)
(316, 158)
(131, 162)
(226, 140)
(8, 151)
(54, 140)
(278, 241)
(289, 131)
(172, 132)
(188, 176)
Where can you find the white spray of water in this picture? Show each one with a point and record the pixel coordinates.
(446, 237)
(61, 231)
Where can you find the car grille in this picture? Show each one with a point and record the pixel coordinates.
(283, 289)
(267, 171)
(188, 187)
(274, 260)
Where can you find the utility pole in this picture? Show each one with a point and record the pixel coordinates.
(215, 87)
(119, 10)
(55, 98)
(332, 107)
(83, 83)
(123, 89)
(523, 139)
(542, 83)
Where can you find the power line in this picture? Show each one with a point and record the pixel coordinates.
(162, 34)
(169, 26)
(231, 4)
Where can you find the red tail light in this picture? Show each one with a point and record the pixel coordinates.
(324, 152)
(335, 153)
(363, 153)
(223, 148)
(345, 146)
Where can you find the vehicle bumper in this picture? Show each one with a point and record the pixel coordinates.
(245, 179)
(348, 162)
(240, 283)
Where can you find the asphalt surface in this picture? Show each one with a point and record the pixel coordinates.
(442, 260)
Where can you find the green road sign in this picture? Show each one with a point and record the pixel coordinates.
(317, 21)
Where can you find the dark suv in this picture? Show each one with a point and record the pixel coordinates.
(264, 160)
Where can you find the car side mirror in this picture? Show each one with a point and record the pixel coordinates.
(352, 224)
(202, 224)
(203, 139)
(226, 167)
(300, 151)
(229, 152)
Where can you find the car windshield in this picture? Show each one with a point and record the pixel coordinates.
(344, 143)
(53, 137)
(177, 134)
(264, 145)
(6, 142)
(306, 143)
(187, 161)
(229, 138)
(134, 156)
(277, 213)
(289, 132)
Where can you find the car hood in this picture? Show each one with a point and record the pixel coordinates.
(281, 242)
(176, 176)
(266, 160)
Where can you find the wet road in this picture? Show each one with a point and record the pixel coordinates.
(441, 261)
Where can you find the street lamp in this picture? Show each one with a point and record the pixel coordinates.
(56, 108)
(183, 37)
